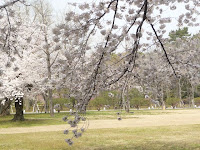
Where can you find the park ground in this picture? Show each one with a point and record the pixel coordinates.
(143, 129)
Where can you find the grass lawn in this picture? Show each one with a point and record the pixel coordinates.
(185, 137)
(173, 137)
(45, 119)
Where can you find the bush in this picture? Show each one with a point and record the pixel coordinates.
(197, 101)
(98, 102)
(62, 101)
(137, 98)
(172, 101)
(186, 101)
(104, 98)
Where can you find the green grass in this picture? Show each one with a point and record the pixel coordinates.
(149, 138)
(46, 119)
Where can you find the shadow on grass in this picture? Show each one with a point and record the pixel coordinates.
(7, 123)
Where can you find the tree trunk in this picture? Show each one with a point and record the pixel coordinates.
(49, 90)
(51, 103)
(5, 109)
(162, 98)
(179, 93)
(127, 101)
(127, 106)
(1, 107)
(46, 110)
(123, 95)
(46, 107)
(192, 97)
(19, 116)
(123, 102)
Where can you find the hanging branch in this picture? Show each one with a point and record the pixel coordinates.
(96, 71)
(135, 47)
(163, 48)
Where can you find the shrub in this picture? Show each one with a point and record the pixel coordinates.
(137, 98)
(172, 101)
(104, 98)
(197, 101)
(62, 101)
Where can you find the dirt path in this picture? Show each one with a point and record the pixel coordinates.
(181, 117)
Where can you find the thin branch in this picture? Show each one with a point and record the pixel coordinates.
(95, 73)
(54, 60)
(9, 4)
(166, 55)
(91, 20)
(135, 47)
(17, 52)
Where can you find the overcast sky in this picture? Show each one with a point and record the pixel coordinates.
(60, 7)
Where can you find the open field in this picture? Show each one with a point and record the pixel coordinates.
(163, 137)
(170, 129)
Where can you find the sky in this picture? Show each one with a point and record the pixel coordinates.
(60, 7)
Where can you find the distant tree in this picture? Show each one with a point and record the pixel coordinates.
(50, 49)
(180, 33)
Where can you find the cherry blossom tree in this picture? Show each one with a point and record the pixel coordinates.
(50, 46)
(22, 68)
(114, 23)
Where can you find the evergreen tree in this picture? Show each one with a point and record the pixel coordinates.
(180, 33)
